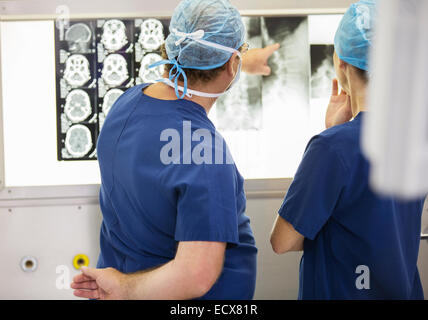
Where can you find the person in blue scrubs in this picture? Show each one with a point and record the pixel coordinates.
(172, 199)
(356, 244)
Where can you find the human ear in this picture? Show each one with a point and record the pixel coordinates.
(232, 64)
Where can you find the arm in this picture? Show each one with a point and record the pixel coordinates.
(194, 270)
(312, 197)
(285, 238)
(255, 61)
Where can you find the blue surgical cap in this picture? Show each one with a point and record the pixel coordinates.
(221, 23)
(355, 33)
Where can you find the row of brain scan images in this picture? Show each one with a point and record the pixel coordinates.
(96, 61)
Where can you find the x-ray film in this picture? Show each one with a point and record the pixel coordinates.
(241, 107)
(322, 74)
(150, 36)
(114, 35)
(288, 84)
(115, 45)
(98, 60)
(322, 70)
(265, 119)
(76, 75)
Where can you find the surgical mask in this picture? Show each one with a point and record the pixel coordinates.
(177, 70)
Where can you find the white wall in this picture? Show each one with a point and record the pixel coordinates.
(277, 276)
(54, 235)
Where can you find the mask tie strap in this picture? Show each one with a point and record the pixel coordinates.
(174, 75)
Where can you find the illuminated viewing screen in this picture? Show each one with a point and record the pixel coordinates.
(54, 111)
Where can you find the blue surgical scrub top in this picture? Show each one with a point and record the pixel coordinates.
(149, 206)
(358, 244)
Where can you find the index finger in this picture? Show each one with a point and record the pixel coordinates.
(82, 278)
(271, 49)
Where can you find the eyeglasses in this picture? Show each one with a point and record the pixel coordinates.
(245, 47)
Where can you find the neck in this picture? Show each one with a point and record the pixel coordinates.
(206, 103)
(358, 97)
(164, 92)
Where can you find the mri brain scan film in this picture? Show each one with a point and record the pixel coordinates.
(109, 99)
(79, 38)
(115, 70)
(150, 75)
(78, 141)
(96, 61)
(77, 106)
(114, 35)
(77, 70)
(151, 36)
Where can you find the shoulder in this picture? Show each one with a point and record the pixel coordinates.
(133, 91)
(342, 142)
(339, 138)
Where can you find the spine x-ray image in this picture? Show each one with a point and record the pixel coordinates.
(322, 73)
(288, 84)
(322, 70)
(241, 107)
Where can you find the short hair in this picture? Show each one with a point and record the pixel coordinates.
(196, 75)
